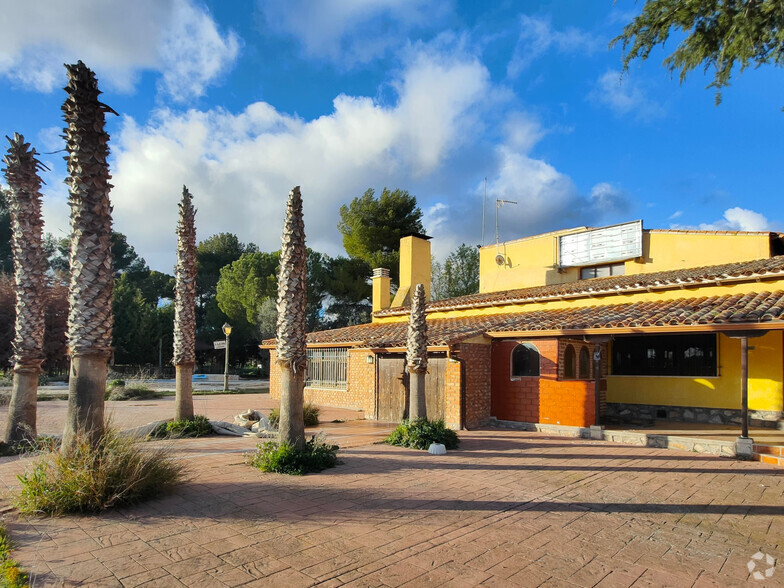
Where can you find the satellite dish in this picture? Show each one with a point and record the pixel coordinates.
(500, 259)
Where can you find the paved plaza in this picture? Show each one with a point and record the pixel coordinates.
(509, 508)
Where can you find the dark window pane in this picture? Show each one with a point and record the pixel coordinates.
(585, 364)
(525, 361)
(569, 363)
(665, 355)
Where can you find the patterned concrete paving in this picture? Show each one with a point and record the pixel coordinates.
(508, 509)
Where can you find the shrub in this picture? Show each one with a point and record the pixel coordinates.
(131, 393)
(11, 575)
(198, 427)
(419, 434)
(310, 414)
(284, 458)
(119, 470)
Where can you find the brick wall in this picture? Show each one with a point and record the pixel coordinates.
(543, 399)
(477, 373)
(452, 380)
(359, 393)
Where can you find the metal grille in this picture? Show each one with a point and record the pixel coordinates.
(327, 368)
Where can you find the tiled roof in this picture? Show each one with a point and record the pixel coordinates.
(768, 267)
(737, 309)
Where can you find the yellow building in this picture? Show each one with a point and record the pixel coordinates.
(577, 327)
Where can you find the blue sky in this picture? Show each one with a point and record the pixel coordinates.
(243, 99)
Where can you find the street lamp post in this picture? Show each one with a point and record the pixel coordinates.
(227, 332)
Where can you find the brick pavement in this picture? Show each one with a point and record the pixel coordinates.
(509, 508)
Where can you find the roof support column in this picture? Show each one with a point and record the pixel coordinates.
(744, 387)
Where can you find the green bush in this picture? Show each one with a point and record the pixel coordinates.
(419, 434)
(131, 393)
(198, 427)
(284, 458)
(310, 414)
(119, 470)
(11, 575)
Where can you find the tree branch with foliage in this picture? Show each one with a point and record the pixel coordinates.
(718, 35)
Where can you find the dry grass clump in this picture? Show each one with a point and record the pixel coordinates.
(120, 470)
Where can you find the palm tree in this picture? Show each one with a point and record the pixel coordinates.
(92, 280)
(185, 307)
(416, 355)
(24, 205)
(291, 336)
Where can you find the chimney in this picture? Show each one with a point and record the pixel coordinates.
(380, 289)
(414, 267)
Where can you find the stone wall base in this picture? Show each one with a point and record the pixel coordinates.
(636, 413)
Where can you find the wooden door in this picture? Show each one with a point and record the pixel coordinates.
(434, 387)
(391, 396)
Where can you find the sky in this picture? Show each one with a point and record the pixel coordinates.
(241, 100)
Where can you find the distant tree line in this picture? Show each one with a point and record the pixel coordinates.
(236, 283)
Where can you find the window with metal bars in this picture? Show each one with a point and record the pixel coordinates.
(327, 368)
(665, 355)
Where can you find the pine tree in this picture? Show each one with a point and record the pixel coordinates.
(24, 205)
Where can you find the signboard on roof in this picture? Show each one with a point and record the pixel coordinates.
(598, 246)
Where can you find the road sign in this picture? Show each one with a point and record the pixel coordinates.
(219, 344)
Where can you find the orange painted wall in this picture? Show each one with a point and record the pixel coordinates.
(546, 399)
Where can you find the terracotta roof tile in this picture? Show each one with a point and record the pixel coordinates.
(771, 267)
(757, 307)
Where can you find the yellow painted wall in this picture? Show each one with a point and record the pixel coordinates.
(533, 261)
(765, 380)
(415, 263)
(668, 250)
(527, 262)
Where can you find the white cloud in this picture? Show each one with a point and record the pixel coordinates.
(624, 97)
(735, 219)
(676, 214)
(352, 32)
(118, 40)
(609, 199)
(537, 37)
(241, 166)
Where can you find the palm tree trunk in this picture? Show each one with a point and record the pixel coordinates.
(22, 410)
(292, 424)
(24, 203)
(416, 355)
(185, 308)
(90, 317)
(292, 337)
(417, 408)
(86, 390)
(184, 394)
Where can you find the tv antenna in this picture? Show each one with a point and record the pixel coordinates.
(498, 204)
(484, 200)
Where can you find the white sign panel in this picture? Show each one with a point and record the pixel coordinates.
(597, 246)
(219, 344)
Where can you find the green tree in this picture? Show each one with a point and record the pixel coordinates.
(135, 336)
(372, 227)
(244, 286)
(718, 35)
(349, 291)
(458, 275)
(246, 283)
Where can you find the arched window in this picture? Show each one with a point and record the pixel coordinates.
(570, 363)
(584, 370)
(525, 361)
